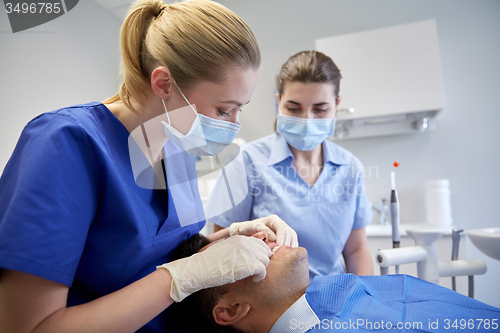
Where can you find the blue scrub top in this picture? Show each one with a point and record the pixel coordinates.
(323, 215)
(71, 212)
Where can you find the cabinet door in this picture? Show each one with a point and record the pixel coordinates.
(387, 71)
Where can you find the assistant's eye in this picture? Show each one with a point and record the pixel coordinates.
(320, 110)
(292, 109)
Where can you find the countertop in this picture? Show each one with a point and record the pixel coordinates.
(378, 230)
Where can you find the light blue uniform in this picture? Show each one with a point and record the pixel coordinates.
(322, 215)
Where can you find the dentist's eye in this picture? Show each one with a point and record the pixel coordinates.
(223, 114)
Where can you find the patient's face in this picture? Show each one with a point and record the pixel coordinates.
(287, 273)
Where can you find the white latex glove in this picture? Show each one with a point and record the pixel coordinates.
(276, 229)
(225, 262)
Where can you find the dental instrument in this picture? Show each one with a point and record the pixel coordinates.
(395, 213)
(455, 238)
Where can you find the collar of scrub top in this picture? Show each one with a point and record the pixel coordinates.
(280, 151)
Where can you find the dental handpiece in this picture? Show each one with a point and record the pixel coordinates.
(395, 221)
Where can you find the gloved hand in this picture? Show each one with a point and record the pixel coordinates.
(225, 262)
(276, 229)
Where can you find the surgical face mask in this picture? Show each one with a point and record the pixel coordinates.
(206, 137)
(305, 134)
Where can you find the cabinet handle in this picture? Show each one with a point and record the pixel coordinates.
(346, 110)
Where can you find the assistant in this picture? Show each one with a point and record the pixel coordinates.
(314, 185)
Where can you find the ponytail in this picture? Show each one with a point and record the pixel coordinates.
(133, 32)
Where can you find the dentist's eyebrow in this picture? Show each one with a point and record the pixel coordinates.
(234, 102)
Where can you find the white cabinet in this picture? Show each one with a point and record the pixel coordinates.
(390, 76)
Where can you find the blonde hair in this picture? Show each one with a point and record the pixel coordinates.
(195, 39)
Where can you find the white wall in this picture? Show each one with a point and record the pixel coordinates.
(70, 60)
(466, 146)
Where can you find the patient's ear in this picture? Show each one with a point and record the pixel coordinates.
(229, 312)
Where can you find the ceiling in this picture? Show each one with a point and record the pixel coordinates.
(118, 8)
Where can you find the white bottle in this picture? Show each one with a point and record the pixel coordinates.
(438, 202)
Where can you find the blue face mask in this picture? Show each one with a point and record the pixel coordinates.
(305, 134)
(206, 137)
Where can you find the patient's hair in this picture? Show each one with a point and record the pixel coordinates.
(194, 313)
(309, 67)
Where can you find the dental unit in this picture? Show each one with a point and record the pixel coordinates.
(424, 253)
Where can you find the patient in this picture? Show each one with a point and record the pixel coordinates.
(285, 301)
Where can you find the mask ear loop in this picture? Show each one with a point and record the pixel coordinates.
(166, 112)
(192, 108)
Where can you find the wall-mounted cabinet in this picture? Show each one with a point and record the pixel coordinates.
(391, 79)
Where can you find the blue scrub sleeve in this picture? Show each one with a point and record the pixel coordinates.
(364, 214)
(48, 198)
(239, 177)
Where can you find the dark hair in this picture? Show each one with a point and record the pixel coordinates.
(194, 313)
(309, 67)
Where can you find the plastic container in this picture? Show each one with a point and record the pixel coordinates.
(438, 202)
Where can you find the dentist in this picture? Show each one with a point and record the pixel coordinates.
(311, 183)
(83, 247)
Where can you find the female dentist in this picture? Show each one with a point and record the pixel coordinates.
(313, 184)
(83, 248)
